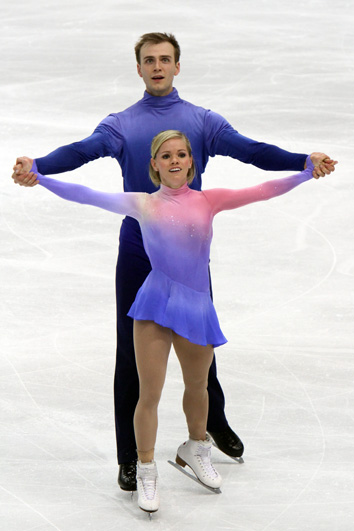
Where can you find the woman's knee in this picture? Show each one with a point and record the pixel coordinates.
(149, 398)
(196, 385)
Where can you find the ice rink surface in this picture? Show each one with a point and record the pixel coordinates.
(280, 71)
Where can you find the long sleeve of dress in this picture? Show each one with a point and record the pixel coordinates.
(126, 203)
(222, 199)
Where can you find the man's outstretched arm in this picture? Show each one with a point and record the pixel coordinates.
(268, 156)
(65, 158)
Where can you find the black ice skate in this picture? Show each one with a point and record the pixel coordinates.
(229, 443)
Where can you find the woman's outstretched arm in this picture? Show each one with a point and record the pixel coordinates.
(222, 199)
(125, 203)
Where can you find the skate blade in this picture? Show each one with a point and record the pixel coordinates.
(194, 478)
(149, 513)
(237, 459)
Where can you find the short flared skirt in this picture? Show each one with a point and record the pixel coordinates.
(189, 313)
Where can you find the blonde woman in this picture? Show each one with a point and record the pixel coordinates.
(174, 306)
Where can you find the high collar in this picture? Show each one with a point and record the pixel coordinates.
(166, 191)
(161, 101)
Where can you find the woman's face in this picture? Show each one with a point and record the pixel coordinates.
(172, 161)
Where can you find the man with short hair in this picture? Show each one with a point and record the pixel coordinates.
(126, 136)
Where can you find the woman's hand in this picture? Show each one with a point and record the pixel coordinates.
(26, 179)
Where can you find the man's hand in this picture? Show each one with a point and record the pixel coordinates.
(23, 166)
(324, 165)
(27, 179)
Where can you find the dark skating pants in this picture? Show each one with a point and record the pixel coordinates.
(133, 266)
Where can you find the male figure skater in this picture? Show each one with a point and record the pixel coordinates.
(126, 136)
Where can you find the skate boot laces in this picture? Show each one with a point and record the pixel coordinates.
(203, 454)
(148, 479)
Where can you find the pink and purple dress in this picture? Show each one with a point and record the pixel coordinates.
(177, 231)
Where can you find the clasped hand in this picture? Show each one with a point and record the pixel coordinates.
(323, 165)
(22, 174)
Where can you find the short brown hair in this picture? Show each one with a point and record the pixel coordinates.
(157, 142)
(157, 38)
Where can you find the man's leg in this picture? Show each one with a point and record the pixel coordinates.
(216, 415)
(132, 269)
(224, 437)
(217, 426)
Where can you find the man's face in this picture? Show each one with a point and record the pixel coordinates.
(158, 68)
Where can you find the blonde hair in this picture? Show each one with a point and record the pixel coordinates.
(156, 144)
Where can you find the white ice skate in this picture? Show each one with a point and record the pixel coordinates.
(197, 455)
(147, 484)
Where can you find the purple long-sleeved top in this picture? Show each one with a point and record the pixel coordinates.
(126, 136)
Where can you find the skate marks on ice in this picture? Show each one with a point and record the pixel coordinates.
(30, 507)
(304, 228)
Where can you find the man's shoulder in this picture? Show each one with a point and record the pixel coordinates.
(128, 110)
(196, 108)
(209, 113)
(115, 119)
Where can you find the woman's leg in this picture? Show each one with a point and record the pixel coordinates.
(195, 361)
(152, 346)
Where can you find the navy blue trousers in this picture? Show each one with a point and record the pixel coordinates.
(133, 266)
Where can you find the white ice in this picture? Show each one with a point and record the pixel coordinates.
(280, 71)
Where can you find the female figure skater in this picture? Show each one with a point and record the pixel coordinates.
(174, 306)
